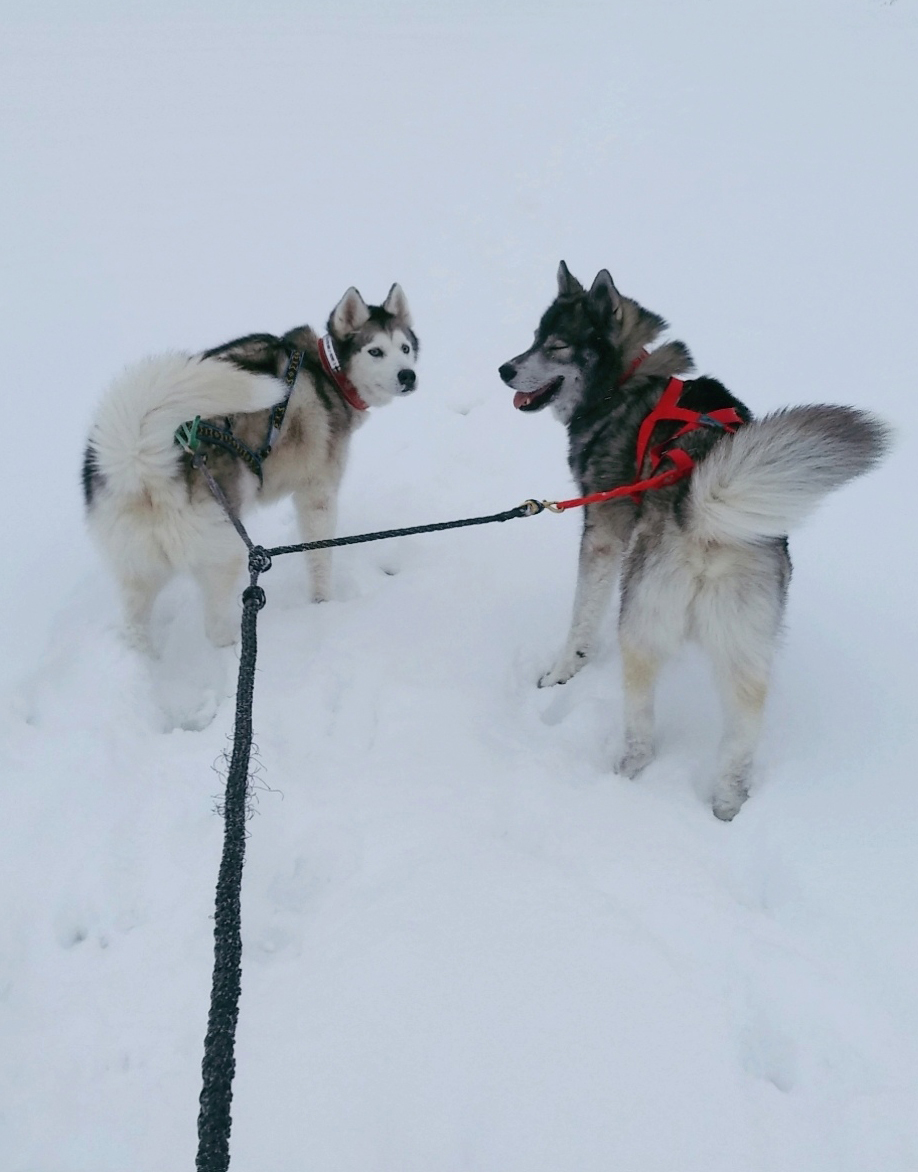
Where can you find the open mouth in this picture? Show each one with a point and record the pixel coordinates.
(540, 397)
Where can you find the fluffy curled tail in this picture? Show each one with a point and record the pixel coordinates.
(773, 472)
(131, 440)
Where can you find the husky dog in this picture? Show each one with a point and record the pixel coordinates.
(150, 509)
(705, 558)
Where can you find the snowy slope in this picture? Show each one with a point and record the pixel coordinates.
(468, 945)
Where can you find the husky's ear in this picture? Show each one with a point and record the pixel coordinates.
(605, 299)
(349, 314)
(396, 303)
(568, 285)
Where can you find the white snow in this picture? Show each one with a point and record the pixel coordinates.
(469, 946)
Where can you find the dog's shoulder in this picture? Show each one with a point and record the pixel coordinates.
(266, 353)
(257, 353)
(300, 338)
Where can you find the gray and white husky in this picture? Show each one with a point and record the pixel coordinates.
(705, 558)
(151, 511)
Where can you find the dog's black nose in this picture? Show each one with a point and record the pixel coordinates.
(507, 372)
(407, 378)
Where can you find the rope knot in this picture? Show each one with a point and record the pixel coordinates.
(253, 596)
(259, 560)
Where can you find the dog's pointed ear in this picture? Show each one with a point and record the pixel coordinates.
(568, 285)
(349, 314)
(605, 299)
(396, 303)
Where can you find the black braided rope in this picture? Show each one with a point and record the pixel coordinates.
(528, 509)
(219, 1063)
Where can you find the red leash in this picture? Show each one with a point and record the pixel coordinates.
(666, 411)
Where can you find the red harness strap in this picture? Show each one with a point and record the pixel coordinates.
(636, 362)
(667, 410)
(332, 367)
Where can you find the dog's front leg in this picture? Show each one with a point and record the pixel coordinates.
(600, 550)
(317, 512)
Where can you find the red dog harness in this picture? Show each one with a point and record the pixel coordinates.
(666, 411)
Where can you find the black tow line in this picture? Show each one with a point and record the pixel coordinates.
(219, 1063)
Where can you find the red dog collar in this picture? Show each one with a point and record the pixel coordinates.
(332, 367)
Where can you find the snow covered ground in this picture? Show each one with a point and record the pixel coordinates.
(468, 945)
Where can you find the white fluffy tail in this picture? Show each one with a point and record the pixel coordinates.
(773, 472)
(132, 436)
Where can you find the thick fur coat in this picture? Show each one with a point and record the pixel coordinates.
(704, 559)
(151, 511)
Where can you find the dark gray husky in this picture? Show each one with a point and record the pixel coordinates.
(704, 557)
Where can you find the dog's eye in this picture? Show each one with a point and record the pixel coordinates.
(406, 349)
(375, 352)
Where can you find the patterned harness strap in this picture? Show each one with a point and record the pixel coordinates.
(192, 434)
(222, 437)
(279, 410)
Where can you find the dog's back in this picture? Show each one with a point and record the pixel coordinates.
(131, 450)
(143, 512)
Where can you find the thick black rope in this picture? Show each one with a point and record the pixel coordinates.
(219, 1063)
(528, 509)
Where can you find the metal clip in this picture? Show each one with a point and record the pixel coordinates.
(186, 436)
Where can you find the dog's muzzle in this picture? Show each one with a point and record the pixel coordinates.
(540, 397)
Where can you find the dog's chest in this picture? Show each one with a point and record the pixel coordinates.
(601, 456)
(310, 451)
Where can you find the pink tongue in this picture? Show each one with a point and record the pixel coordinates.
(522, 399)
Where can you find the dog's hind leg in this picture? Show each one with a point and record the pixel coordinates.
(600, 549)
(656, 591)
(218, 581)
(138, 594)
(317, 511)
(743, 693)
(640, 668)
(737, 614)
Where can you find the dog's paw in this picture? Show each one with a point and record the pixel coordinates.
(728, 802)
(726, 808)
(634, 759)
(565, 669)
(731, 790)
